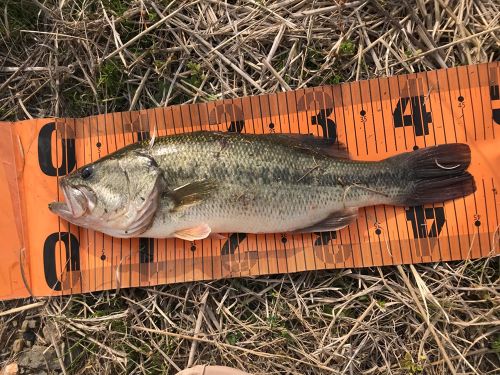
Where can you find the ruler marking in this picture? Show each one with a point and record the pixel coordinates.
(93, 268)
(264, 237)
(318, 107)
(111, 238)
(335, 95)
(182, 257)
(427, 98)
(58, 218)
(396, 81)
(421, 95)
(447, 71)
(212, 265)
(460, 95)
(390, 101)
(496, 209)
(104, 237)
(306, 111)
(179, 123)
(360, 105)
(406, 93)
(381, 104)
(162, 110)
(452, 252)
(121, 239)
(382, 110)
(374, 109)
(198, 109)
(174, 240)
(156, 249)
(69, 261)
(350, 108)
(285, 95)
(238, 235)
(247, 107)
(294, 93)
(477, 94)
(266, 98)
(488, 230)
(448, 93)
(339, 233)
(422, 99)
(388, 233)
(475, 137)
(281, 119)
(189, 255)
(490, 82)
(353, 124)
(412, 108)
(372, 261)
(365, 109)
(434, 127)
(478, 232)
(256, 117)
(246, 254)
(356, 99)
(367, 83)
(328, 106)
(412, 82)
(469, 100)
(278, 115)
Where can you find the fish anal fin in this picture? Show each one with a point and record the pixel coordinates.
(199, 232)
(335, 221)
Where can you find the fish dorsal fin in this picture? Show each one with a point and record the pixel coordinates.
(195, 233)
(309, 142)
(192, 193)
(335, 221)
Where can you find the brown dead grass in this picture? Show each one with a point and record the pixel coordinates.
(76, 58)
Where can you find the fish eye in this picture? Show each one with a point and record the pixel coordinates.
(86, 172)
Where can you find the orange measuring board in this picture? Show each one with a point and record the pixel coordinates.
(44, 255)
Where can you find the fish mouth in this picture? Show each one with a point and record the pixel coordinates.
(80, 200)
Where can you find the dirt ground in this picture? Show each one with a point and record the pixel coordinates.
(77, 58)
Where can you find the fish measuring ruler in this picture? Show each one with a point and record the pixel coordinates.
(43, 255)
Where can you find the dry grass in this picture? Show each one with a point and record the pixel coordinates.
(76, 58)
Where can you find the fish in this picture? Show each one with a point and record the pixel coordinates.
(195, 185)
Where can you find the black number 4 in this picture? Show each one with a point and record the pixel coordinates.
(419, 117)
(420, 217)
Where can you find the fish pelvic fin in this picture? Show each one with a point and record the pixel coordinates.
(335, 221)
(195, 233)
(437, 174)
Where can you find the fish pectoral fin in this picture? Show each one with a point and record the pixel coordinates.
(335, 221)
(192, 193)
(195, 233)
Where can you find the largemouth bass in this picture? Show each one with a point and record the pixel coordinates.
(196, 184)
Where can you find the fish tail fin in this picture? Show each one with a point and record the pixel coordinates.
(436, 174)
